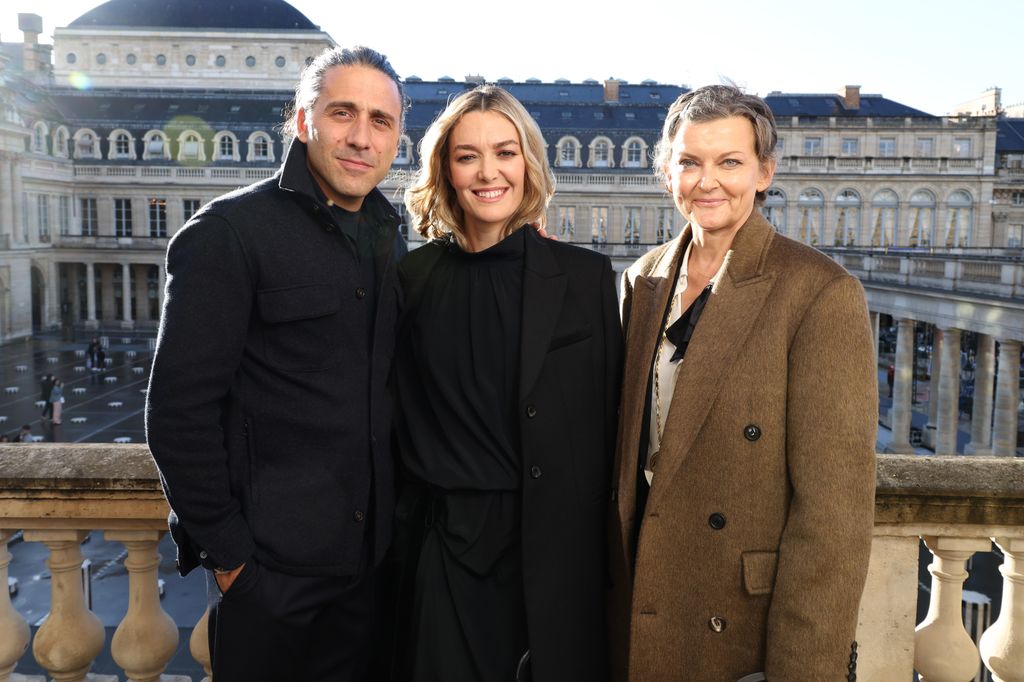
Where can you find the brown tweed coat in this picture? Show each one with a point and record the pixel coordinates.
(754, 545)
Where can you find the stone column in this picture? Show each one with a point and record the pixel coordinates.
(948, 414)
(51, 310)
(874, 335)
(72, 636)
(147, 637)
(126, 295)
(928, 435)
(74, 271)
(17, 207)
(903, 385)
(90, 295)
(981, 412)
(1004, 430)
(7, 226)
(943, 651)
(142, 293)
(14, 633)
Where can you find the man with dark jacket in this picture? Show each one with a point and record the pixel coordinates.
(267, 414)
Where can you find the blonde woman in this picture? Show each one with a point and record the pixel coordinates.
(506, 376)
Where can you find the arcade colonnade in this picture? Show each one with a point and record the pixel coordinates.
(112, 283)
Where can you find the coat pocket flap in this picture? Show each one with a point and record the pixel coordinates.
(759, 572)
(297, 303)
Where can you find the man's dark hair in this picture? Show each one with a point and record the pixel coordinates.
(307, 92)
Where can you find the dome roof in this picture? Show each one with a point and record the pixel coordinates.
(196, 14)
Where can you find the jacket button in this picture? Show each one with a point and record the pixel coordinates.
(360, 293)
(203, 554)
(717, 623)
(716, 521)
(358, 516)
(615, 494)
(531, 411)
(535, 471)
(752, 432)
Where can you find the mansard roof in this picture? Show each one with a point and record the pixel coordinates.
(807, 105)
(1010, 136)
(245, 15)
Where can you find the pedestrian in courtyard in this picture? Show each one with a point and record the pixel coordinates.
(45, 388)
(92, 354)
(24, 435)
(57, 400)
(267, 412)
(507, 371)
(743, 503)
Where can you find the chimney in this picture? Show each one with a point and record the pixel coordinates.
(31, 25)
(611, 90)
(851, 96)
(475, 80)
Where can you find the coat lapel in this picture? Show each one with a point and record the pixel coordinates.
(544, 286)
(720, 335)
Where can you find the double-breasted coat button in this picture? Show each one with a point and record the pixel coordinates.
(717, 623)
(203, 554)
(535, 471)
(751, 432)
(358, 516)
(360, 292)
(717, 521)
(531, 411)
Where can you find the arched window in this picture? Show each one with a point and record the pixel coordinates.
(155, 146)
(87, 145)
(921, 221)
(404, 155)
(225, 146)
(847, 218)
(885, 209)
(961, 219)
(812, 209)
(568, 153)
(634, 153)
(60, 142)
(260, 147)
(774, 209)
(121, 146)
(39, 135)
(600, 153)
(191, 147)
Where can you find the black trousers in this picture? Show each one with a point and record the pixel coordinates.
(272, 626)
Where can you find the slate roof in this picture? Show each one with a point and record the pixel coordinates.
(1010, 136)
(806, 105)
(197, 14)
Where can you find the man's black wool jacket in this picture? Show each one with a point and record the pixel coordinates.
(267, 412)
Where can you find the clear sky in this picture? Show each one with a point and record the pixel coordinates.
(929, 55)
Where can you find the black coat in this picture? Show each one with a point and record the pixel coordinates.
(570, 373)
(267, 412)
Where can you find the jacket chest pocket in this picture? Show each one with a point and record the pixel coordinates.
(302, 326)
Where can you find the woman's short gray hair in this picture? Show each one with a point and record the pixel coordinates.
(711, 103)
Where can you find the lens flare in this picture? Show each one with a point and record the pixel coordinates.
(79, 80)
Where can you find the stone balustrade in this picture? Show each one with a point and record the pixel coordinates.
(57, 494)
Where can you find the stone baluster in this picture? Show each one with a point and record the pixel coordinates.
(147, 637)
(72, 636)
(14, 633)
(943, 651)
(1002, 645)
(199, 645)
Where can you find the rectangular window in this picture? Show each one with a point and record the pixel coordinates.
(1017, 198)
(190, 206)
(122, 217)
(599, 224)
(665, 231)
(887, 146)
(1015, 236)
(566, 223)
(157, 217)
(89, 217)
(64, 215)
(925, 146)
(812, 146)
(962, 147)
(850, 146)
(227, 147)
(43, 215)
(631, 229)
(780, 148)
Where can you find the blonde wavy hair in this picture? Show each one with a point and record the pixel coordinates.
(431, 200)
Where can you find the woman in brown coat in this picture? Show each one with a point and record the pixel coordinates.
(743, 501)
